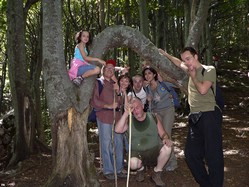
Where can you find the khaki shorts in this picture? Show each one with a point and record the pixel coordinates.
(148, 157)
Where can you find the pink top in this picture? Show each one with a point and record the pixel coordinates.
(75, 64)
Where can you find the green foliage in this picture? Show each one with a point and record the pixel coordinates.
(230, 30)
(229, 33)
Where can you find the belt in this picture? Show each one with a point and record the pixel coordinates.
(117, 109)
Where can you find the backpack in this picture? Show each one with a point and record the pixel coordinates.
(218, 96)
(172, 91)
(92, 116)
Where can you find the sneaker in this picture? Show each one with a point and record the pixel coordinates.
(77, 81)
(140, 176)
(110, 176)
(122, 175)
(156, 178)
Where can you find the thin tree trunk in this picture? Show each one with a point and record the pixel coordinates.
(143, 14)
(2, 80)
(160, 25)
(22, 102)
(102, 14)
(199, 20)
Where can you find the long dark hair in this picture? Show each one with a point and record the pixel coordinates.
(152, 70)
(126, 76)
(78, 38)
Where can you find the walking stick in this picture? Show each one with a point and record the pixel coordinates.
(129, 154)
(113, 143)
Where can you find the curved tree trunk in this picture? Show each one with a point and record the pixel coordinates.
(124, 36)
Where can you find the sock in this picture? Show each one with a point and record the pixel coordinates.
(141, 169)
(157, 170)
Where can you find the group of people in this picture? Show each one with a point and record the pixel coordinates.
(151, 105)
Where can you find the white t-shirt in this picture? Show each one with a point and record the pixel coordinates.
(141, 95)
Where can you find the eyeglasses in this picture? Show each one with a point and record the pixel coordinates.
(109, 68)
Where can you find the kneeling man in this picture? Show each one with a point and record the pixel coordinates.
(150, 144)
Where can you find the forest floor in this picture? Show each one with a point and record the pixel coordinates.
(235, 86)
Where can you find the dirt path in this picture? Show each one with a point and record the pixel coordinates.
(36, 170)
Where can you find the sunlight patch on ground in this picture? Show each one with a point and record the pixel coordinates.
(177, 148)
(231, 152)
(94, 130)
(46, 155)
(180, 125)
(241, 129)
(180, 154)
(229, 119)
(8, 184)
(226, 169)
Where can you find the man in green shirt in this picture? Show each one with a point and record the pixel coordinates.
(204, 140)
(150, 144)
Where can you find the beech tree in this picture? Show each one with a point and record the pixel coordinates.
(198, 19)
(18, 74)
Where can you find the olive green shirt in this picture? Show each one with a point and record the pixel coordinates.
(144, 134)
(197, 101)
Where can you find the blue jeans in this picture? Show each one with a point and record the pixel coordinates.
(85, 68)
(204, 143)
(105, 139)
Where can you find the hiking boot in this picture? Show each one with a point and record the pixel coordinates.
(156, 177)
(77, 81)
(110, 176)
(140, 176)
(122, 175)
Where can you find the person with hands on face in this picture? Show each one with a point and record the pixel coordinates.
(139, 90)
(204, 139)
(150, 143)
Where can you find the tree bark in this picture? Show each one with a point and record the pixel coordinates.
(68, 106)
(124, 36)
(198, 22)
(2, 82)
(161, 20)
(102, 14)
(144, 24)
(21, 95)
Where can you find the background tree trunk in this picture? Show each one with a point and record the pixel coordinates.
(102, 14)
(143, 14)
(22, 101)
(161, 20)
(197, 23)
(2, 82)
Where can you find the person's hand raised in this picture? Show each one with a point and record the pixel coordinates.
(128, 108)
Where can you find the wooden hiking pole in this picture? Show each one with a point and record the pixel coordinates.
(129, 153)
(113, 142)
